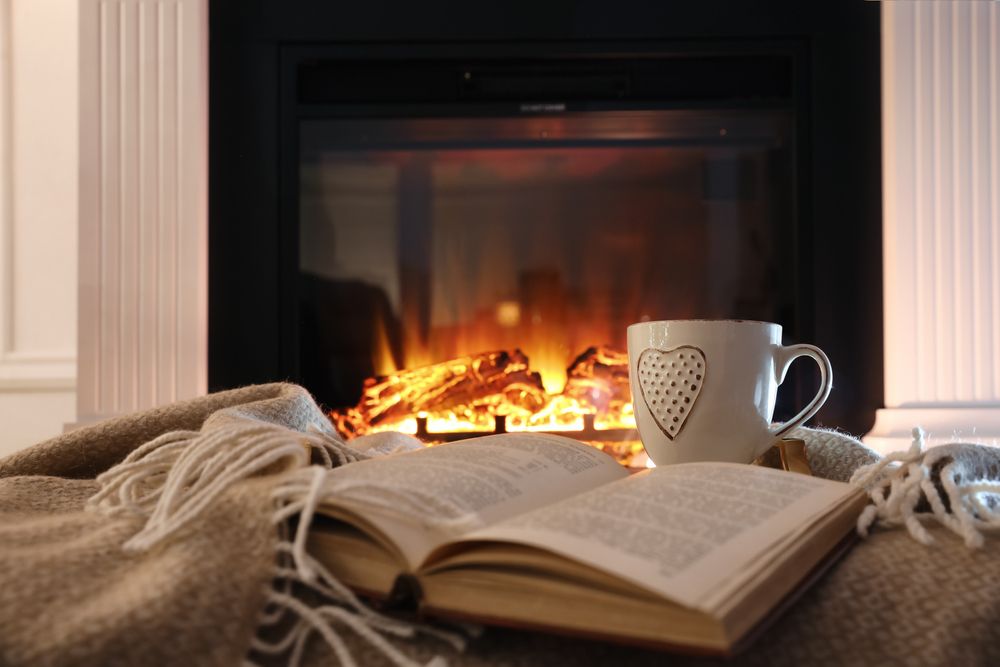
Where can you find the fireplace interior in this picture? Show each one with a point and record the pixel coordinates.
(541, 236)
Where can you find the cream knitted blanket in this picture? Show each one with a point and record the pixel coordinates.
(176, 536)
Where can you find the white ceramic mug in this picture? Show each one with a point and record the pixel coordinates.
(704, 390)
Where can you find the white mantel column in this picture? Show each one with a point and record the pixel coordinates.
(941, 162)
(143, 204)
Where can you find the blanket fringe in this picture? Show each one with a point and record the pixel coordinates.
(173, 479)
(898, 482)
(300, 494)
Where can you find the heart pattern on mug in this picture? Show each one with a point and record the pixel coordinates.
(671, 381)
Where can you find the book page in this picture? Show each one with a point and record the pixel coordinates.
(680, 531)
(422, 498)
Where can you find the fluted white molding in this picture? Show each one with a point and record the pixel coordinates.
(941, 220)
(143, 204)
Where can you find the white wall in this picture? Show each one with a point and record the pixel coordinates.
(38, 218)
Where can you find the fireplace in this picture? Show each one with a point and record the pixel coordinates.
(490, 214)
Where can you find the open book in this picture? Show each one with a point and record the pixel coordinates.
(543, 532)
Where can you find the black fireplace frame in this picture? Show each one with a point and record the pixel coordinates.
(258, 49)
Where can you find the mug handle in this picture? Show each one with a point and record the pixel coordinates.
(783, 358)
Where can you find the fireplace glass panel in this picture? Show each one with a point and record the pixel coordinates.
(426, 240)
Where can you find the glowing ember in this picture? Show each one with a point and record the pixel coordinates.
(469, 394)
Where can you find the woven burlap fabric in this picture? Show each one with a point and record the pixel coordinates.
(70, 595)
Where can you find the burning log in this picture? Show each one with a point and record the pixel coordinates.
(598, 379)
(480, 385)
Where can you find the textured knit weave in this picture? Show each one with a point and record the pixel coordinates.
(70, 595)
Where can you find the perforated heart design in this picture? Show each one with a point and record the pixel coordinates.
(671, 381)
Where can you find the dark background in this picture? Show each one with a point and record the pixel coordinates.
(834, 47)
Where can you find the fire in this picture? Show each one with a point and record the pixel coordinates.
(430, 380)
(501, 390)
(382, 359)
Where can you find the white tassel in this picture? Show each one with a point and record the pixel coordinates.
(896, 484)
(301, 494)
(304, 566)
